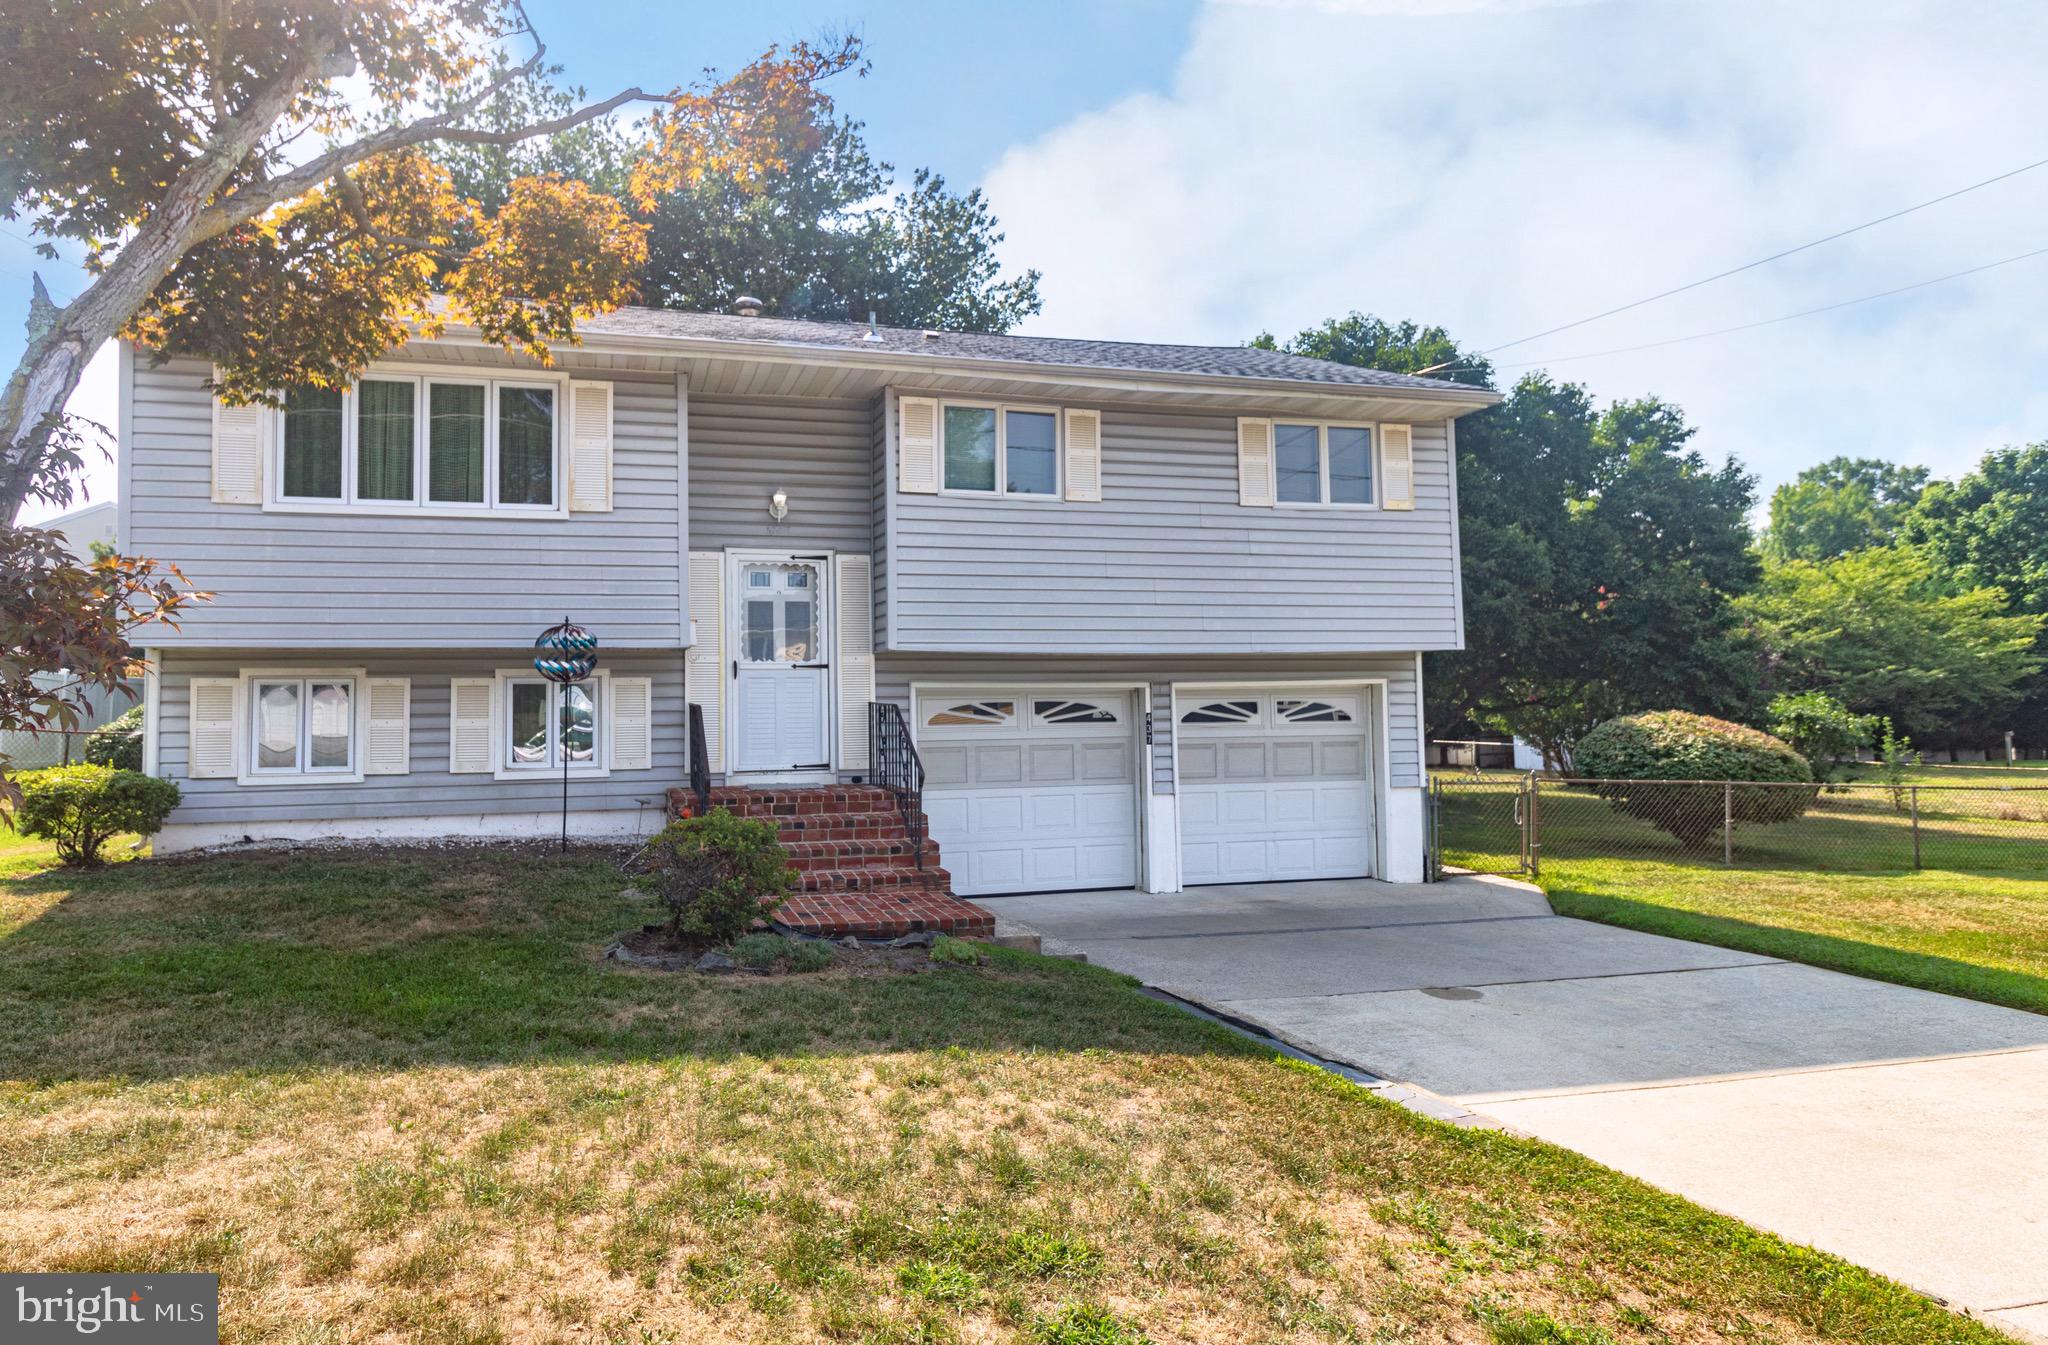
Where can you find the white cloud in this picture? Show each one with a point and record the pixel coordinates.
(1502, 168)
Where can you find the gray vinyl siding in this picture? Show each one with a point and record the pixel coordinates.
(429, 790)
(743, 451)
(895, 673)
(337, 580)
(878, 447)
(1169, 561)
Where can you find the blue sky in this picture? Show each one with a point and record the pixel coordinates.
(1204, 171)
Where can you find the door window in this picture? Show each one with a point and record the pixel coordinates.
(779, 613)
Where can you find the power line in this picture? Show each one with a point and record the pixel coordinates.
(1783, 317)
(1764, 261)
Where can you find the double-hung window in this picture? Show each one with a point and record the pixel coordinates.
(1322, 463)
(547, 725)
(444, 444)
(302, 726)
(1000, 450)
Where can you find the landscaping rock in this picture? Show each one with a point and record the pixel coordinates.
(716, 961)
(619, 952)
(920, 939)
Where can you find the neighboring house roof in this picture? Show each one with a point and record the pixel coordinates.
(84, 526)
(1220, 362)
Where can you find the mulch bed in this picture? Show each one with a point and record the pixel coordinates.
(656, 947)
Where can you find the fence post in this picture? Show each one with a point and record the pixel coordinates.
(1727, 824)
(1916, 826)
(1535, 827)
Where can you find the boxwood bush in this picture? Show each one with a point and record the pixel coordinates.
(1671, 745)
(82, 807)
(717, 874)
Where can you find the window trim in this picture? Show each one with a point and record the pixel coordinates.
(246, 770)
(600, 686)
(423, 377)
(1057, 494)
(1323, 428)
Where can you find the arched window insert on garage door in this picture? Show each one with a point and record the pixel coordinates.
(1078, 714)
(1311, 712)
(974, 714)
(1223, 712)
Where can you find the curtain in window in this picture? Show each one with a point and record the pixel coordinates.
(526, 446)
(312, 443)
(455, 443)
(384, 438)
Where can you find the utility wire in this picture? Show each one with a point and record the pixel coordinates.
(1769, 322)
(1761, 261)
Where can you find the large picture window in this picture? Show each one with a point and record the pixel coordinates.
(1322, 464)
(1000, 450)
(402, 441)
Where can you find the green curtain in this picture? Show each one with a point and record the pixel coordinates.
(455, 443)
(526, 446)
(312, 444)
(384, 440)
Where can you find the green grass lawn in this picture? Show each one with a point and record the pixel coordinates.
(1834, 888)
(399, 1098)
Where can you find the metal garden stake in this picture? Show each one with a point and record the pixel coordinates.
(568, 655)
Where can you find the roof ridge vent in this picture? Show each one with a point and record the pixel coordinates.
(747, 306)
(931, 333)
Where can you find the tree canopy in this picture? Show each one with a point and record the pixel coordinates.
(1886, 631)
(1839, 506)
(825, 237)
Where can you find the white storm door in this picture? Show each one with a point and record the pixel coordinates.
(781, 671)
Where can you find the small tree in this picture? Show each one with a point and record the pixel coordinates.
(81, 808)
(717, 874)
(1665, 747)
(1821, 729)
(1895, 751)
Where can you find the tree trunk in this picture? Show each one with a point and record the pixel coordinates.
(56, 357)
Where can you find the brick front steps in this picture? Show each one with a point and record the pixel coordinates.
(857, 870)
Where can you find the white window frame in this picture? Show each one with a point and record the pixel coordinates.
(1323, 428)
(1002, 490)
(422, 378)
(246, 770)
(600, 688)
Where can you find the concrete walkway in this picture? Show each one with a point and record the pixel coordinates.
(1903, 1130)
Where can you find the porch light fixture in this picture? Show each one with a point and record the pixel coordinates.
(778, 505)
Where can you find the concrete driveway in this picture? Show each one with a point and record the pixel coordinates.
(1904, 1130)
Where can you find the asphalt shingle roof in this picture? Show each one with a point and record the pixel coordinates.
(1121, 356)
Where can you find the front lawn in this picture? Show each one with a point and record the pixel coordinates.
(398, 1098)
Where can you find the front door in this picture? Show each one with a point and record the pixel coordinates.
(781, 690)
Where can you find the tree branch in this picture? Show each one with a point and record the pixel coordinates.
(359, 210)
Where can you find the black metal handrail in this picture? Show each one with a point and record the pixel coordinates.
(700, 762)
(898, 768)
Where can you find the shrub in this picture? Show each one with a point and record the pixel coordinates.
(117, 743)
(82, 807)
(717, 874)
(1821, 729)
(958, 952)
(1665, 745)
(765, 949)
(1895, 750)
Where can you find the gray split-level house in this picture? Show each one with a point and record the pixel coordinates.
(1154, 614)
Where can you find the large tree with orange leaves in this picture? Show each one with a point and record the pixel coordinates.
(251, 183)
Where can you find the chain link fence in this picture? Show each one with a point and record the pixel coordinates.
(1518, 824)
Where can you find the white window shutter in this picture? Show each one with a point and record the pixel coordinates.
(1255, 463)
(853, 583)
(471, 727)
(590, 447)
(704, 668)
(917, 445)
(241, 440)
(214, 715)
(1397, 467)
(387, 747)
(1084, 454)
(632, 723)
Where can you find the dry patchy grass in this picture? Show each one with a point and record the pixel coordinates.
(398, 1098)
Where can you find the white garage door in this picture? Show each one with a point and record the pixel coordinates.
(1274, 784)
(1030, 790)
